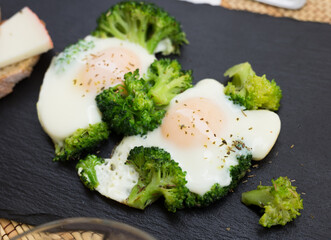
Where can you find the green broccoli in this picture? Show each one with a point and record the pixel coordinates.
(217, 192)
(143, 23)
(159, 175)
(81, 142)
(167, 79)
(250, 90)
(86, 170)
(280, 201)
(138, 106)
(127, 109)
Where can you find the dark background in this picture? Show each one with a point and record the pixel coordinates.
(34, 190)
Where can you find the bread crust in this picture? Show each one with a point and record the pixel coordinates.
(12, 74)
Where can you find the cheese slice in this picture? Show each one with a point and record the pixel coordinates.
(22, 36)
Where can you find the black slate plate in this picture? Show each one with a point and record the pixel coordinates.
(35, 190)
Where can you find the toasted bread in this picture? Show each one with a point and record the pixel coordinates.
(12, 74)
(16, 71)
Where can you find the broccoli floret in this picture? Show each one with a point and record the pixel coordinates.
(217, 192)
(138, 106)
(127, 109)
(250, 90)
(142, 23)
(281, 202)
(81, 142)
(159, 175)
(86, 170)
(167, 79)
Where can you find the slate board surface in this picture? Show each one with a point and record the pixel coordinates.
(35, 190)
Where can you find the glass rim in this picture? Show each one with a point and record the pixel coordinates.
(85, 220)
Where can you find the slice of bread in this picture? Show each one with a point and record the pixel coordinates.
(12, 74)
(24, 37)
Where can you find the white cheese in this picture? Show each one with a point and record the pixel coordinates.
(22, 36)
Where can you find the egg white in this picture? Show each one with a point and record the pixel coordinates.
(204, 165)
(62, 106)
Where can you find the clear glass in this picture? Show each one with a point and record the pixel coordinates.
(84, 229)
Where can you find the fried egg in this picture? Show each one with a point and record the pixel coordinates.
(74, 78)
(200, 131)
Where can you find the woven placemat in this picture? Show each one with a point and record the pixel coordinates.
(314, 10)
(9, 229)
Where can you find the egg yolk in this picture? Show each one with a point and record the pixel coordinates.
(192, 122)
(106, 68)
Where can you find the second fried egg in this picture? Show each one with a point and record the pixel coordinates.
(74, 78)
(201, 130)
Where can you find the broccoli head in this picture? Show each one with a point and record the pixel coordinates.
(86, 170)
(159, 175)
(143, 23)
(81, 142)
(250, 90)
(127, 109)
(281, 202)
(167, 79)
(138, 106)
(217, 192)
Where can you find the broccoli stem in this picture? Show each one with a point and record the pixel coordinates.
(250, 90)
(259, 197)
(141, 197)
(281, 202)
(239, 72)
